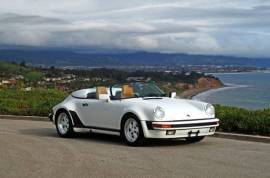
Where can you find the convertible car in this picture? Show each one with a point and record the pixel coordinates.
(134, 111)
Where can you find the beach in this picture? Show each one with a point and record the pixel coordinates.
(189, 94)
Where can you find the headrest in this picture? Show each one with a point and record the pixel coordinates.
(127, 91)
(101, 90)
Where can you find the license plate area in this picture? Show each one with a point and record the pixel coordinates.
(193, 133)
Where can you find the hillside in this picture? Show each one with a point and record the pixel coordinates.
(8, 70)
(70, 80)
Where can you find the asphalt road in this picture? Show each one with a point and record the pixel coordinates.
(33, 149)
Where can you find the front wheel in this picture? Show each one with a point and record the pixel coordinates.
(64, 125)
(195, 139)
(131, 132)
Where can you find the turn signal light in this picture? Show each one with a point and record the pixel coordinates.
(164, 126)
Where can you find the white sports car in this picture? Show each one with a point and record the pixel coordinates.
(135, 111)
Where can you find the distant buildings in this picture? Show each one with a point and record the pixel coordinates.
(67, 78)
(9, 82)
(138, 79)
(27, 89)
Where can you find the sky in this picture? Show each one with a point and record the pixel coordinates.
(222, 27)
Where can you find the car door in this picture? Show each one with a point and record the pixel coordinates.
(82, 106)
(100, 113)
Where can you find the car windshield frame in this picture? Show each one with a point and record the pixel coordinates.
(141, 90)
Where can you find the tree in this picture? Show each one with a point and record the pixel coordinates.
(23, 64)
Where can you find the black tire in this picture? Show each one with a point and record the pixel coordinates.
(140, 136)
(195, 139)
(69, 130)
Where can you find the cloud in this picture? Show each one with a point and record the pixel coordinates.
(232, 27)
(11, 18)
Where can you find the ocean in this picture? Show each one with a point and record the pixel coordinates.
(246, 90)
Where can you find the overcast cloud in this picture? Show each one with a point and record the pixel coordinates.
(228, 27)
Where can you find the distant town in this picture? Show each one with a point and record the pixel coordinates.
(27, 77)
(179, 69)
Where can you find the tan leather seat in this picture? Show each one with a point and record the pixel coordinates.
(101, 90)
(127, 91)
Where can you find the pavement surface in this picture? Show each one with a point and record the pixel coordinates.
(33, 149)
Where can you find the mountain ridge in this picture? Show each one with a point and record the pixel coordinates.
(77, 57)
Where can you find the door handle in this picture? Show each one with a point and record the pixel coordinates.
(84, 104)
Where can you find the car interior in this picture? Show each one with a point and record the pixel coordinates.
(127, 91)
(101, 90)
(121, 92)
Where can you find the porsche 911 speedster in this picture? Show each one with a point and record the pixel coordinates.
(135, 111)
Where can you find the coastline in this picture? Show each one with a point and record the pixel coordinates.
(203, 84)
(246, 90)
(189, 94)
(205, 93)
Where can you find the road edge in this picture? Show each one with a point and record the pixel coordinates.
(244, 137)
(30, 118)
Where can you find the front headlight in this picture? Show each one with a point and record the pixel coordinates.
(159, 113)
(209, 109)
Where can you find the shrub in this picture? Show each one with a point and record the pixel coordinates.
(36, 102)
(245, 121)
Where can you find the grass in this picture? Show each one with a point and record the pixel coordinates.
(36, 102)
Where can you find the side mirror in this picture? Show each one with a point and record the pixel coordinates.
(172, 94)
(104, 97)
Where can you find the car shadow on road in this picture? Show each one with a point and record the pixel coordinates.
(101, 138)
(113, 139)
(84, 136)
(170, 142)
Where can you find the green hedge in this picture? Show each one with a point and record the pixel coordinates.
(36, 102)
(245, 121)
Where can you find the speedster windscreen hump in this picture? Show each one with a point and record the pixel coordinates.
(84, 93)
(89, 93)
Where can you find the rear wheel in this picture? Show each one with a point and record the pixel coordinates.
(131, 131)
(64, 125)
(195, 139)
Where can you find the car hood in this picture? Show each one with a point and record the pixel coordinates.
(178, 109)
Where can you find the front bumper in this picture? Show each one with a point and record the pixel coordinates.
(180, 129)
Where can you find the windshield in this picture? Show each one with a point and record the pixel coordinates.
(136, 90)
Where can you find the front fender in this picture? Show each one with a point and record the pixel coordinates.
(143, 113)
